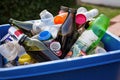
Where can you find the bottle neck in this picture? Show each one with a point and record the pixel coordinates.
(22, 39)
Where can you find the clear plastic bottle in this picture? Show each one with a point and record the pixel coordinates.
(10, 50)
(46, 17)
(38, 27)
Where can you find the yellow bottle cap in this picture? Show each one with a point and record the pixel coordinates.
(25, 58)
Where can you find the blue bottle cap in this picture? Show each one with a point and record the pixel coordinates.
(44, 35)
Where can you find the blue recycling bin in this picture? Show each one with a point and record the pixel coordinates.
(4, 30)
(104, 66)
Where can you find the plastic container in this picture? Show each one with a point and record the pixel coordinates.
(46, 17)
(104, 66)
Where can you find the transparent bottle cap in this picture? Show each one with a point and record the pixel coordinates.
(44, 35)
(55, 46)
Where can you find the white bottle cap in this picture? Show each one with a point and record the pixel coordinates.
(55, 46)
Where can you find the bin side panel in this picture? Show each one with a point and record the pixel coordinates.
(111, 42)
(103, 72)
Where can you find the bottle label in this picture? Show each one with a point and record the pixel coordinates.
(16, 32)
(83, 42)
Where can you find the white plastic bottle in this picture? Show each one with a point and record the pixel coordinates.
(11, 50)
(92, 13)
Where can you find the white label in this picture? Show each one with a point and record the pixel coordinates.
(84, 42)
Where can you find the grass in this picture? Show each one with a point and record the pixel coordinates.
(108, 11)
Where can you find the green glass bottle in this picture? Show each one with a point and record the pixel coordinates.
(21, 24)
(91, 37)
(35, 48)
(26, 27)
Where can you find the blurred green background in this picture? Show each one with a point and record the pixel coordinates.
(30, 9)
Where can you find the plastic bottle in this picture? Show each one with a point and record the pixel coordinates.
(35, 48)
(46, 17)
(90, 38)
(83, 17)
(38, 27)
(67, 34)
(59, 19)
(10, 50)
